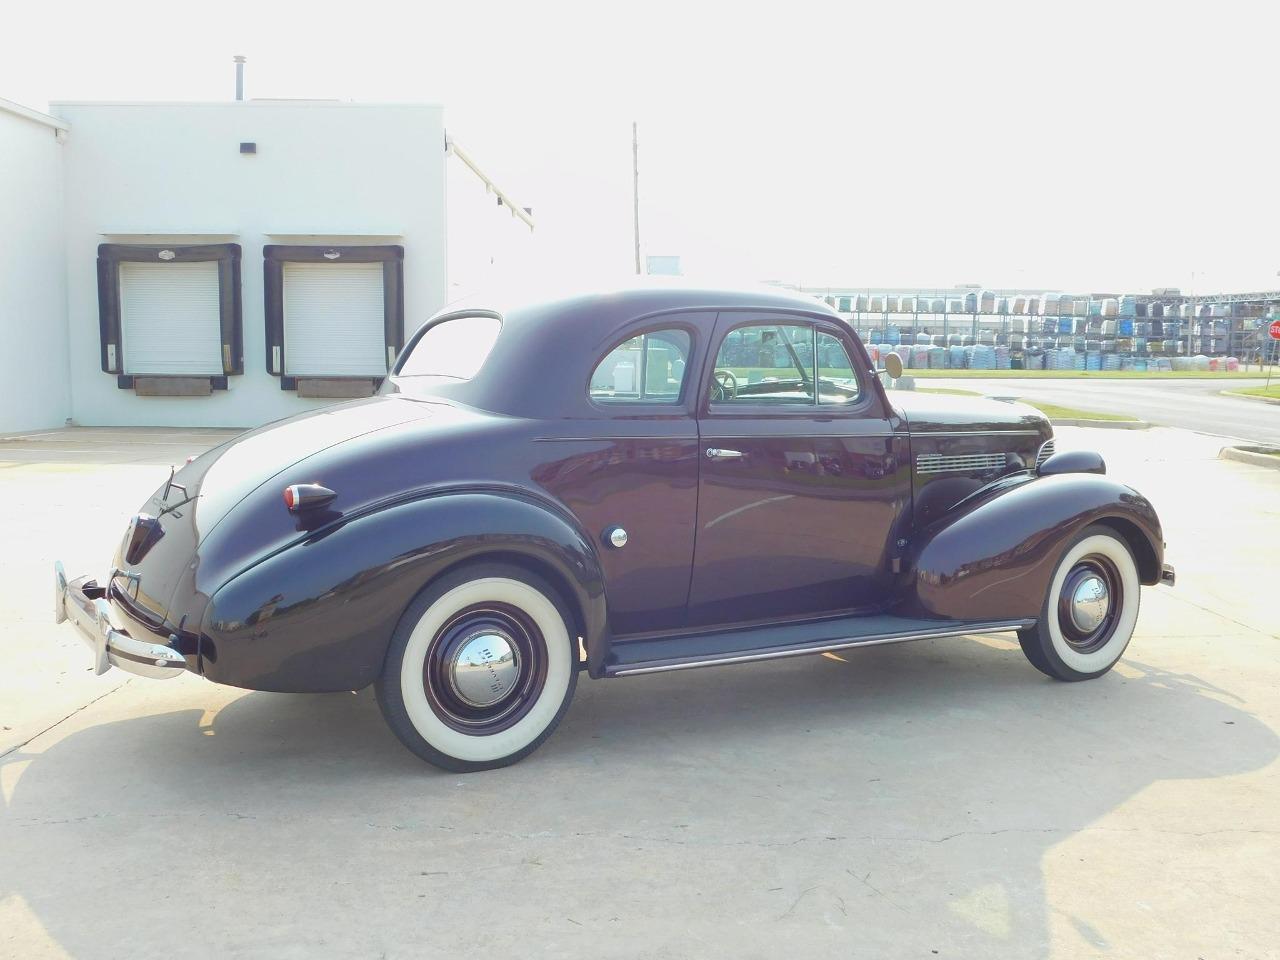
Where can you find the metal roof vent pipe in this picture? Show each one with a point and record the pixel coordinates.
(239, 61)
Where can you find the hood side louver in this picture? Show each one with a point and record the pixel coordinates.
(964, 462)
(1046, 451)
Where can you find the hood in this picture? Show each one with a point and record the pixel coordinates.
(944, 413)
(960, 444)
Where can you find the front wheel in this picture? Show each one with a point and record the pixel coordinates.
(1090, 611)
(480, 670)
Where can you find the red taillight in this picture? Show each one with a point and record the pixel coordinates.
(304, 496)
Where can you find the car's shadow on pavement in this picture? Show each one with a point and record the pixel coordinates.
(900, 799)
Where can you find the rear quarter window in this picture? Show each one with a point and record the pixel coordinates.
(455, 349)
(649, 368)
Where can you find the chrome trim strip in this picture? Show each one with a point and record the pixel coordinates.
(806, 434)
(612, 437)
(999, 626)
(923, 434)
(803, 434)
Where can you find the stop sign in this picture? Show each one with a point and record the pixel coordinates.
(1274, 330)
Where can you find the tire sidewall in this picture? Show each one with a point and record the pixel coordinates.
(403, 697)
(1074, 663)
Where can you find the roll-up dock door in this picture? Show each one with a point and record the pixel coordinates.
(170, 318)
(334, 320)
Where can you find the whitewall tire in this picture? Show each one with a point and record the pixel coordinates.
(481, 668)
(1090, 611)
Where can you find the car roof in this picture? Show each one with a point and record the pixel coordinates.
(605, 308)
(550, 343)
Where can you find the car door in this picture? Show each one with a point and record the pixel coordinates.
(629, 472)
(802, 479)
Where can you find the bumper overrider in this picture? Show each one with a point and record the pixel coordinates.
(83, 602)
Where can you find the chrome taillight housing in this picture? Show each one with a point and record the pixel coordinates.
(307, 496)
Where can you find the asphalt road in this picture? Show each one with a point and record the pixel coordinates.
(1189, 404)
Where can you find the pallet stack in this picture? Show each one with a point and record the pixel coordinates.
(983, 330)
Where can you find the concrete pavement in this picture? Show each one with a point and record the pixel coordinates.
(1196, 405)
(155, 446)
(939, 799)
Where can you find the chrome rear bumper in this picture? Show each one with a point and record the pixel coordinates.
(84, 603)
(1167, 576)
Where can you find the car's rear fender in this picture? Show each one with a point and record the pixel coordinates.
(993, 556)
(318, 615)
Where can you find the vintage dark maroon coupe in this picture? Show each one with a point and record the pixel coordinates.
(627, 482)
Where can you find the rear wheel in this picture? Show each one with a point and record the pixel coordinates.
(480, 670)
(1090, 610)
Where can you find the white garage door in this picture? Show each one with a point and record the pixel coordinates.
(333, 320)
(169, 318)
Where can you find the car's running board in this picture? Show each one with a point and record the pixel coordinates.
(787, 640)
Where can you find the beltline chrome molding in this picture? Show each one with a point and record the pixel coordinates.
(775, 653)
(615, 439)
(926, 434)
(808, 434)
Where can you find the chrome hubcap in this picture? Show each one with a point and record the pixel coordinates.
(1088, 606)
(485, 668)
(1090, 602)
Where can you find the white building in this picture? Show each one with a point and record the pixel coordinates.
(34, 369)
(225, 264)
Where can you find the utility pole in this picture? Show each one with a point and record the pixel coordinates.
(635, 188)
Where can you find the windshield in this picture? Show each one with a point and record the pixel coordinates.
(455, 349)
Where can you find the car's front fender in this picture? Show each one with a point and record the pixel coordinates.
(319, 614)
(993, 556)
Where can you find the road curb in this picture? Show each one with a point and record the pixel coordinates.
(1245, 396)
(1104, 424)
(1250, 455)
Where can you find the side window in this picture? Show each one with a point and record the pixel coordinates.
(837, 383)
(765, 363)
(649, 368)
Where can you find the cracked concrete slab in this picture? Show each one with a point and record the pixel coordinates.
(932, 799)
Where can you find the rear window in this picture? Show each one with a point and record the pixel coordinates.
(456, 349)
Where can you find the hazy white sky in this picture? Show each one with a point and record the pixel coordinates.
(1086, 146)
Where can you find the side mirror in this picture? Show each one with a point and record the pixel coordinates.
(893, 365)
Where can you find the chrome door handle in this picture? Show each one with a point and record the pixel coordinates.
(719, 453)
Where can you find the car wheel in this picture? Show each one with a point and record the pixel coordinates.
(1090, 611)
(480, 670)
